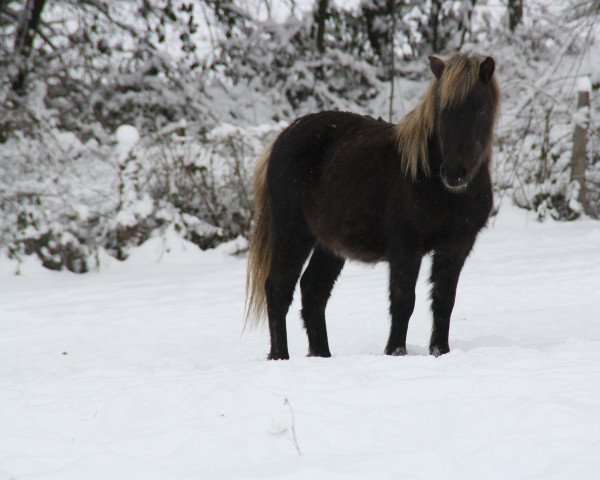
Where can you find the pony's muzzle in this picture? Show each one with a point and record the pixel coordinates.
(455, 177)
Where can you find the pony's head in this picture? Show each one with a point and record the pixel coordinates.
(466, 101)
(460, 109)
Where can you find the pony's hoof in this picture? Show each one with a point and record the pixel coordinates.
(397, 352)
(317, 353)
(278, 356)
(437, 350)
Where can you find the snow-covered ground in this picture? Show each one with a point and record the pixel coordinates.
(141, 371)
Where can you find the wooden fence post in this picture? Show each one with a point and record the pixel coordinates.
(580, 137)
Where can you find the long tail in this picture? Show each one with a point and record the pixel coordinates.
(259, 255)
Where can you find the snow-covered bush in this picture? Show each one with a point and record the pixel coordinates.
(116, 196)
(280, 61)
(202, 183)
(538, 68)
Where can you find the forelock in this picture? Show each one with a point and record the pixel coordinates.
(458, 79)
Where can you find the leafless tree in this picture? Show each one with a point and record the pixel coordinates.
(515, 13)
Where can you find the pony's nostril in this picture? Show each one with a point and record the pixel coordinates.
(453, 174)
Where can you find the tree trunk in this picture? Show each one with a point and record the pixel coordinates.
(375, 14)
(320, 18)
(392, 5)
(515, 13)
(580, 138)
(434, 20)
(24, 36)
(465, 23)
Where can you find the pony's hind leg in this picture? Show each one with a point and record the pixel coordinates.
(316, 285)
(289, 255)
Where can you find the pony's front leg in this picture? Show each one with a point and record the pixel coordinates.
(445, 271)
(404, 270)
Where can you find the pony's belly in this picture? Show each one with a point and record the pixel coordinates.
(351, 240)
(354, 252)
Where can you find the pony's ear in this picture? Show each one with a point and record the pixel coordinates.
(437, 66)
(486, 69)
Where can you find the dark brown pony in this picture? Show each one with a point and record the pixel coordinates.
(346, 186)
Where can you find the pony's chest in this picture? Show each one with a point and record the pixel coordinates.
(450, 217)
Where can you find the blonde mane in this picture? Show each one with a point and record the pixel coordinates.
(414, 130)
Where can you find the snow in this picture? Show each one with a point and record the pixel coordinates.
(584, 84)
(581, 117)
(141, 370)
(139, 208)
(127, 136)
